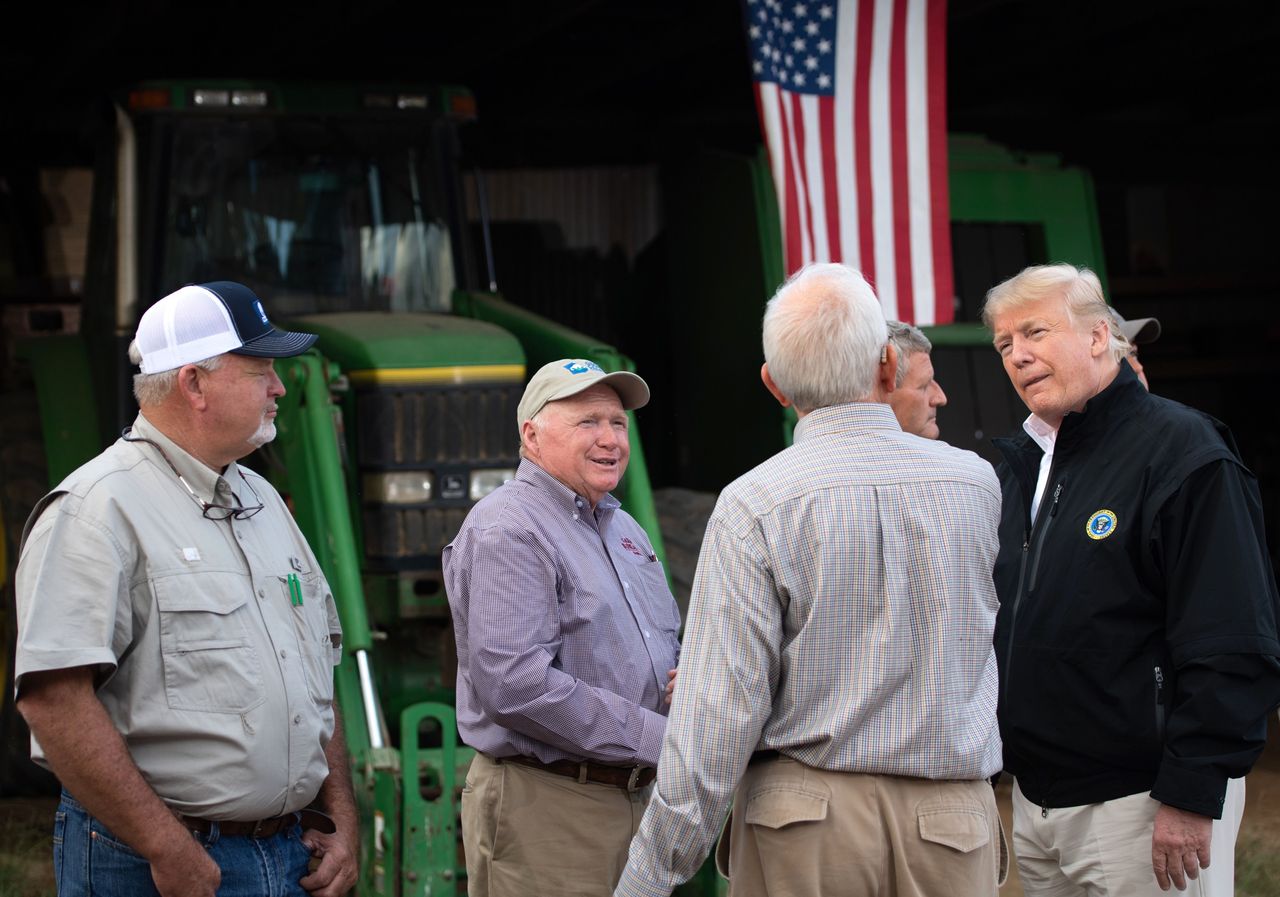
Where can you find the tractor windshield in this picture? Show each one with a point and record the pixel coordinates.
(316, 215)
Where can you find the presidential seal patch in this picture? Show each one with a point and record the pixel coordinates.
(1101, 524)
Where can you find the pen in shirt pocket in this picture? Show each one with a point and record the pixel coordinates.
(295, 590)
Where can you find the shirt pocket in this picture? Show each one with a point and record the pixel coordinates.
(311, 623)
(650, 580)
(209, 660)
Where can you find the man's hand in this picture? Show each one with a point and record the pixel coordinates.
(1179, 844)
(89, 756)
(671, 684)
(336, 872)
(186, 869)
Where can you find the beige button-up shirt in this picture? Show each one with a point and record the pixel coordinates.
(219, 681)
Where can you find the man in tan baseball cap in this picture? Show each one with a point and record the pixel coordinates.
(567, 646)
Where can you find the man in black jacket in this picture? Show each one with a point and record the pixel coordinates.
(1137, 639)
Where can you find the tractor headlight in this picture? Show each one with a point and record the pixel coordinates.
(485, 481)
(401, 487)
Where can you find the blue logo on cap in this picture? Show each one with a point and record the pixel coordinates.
(1101, 524)
(581, 367)
(262, 313)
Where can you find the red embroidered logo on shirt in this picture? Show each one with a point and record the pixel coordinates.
(631, 547)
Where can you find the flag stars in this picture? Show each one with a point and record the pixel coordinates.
(793, 43)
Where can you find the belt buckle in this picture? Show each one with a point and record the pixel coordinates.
(633, 780)
(257, 827)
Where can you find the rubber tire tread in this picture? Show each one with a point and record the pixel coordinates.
(23, 481)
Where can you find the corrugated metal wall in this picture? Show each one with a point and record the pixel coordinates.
(565, 241)
(596, 208)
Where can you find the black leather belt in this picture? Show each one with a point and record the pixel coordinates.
(260, 828)
(628, 778)
(762, 756)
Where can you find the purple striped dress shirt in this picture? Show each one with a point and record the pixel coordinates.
(565, 626)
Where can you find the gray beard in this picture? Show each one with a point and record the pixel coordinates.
(264, 434)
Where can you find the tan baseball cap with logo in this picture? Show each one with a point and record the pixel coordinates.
(569, 376)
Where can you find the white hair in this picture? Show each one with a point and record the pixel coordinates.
(538, 424)
(823, 335)
(153, 389)
(1081, 289)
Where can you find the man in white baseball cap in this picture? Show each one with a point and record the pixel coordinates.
(177, 639)
(567, 647)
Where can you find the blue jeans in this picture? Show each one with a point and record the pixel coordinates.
(89, 861)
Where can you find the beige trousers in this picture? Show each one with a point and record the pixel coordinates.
(530, 833)
(804, 832)
(1104, 850)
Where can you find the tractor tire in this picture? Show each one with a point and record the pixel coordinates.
(23, 482)
(682, 517)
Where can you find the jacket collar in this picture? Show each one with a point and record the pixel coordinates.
(1122, 398)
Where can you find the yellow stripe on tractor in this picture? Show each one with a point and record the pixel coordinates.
(476, 373)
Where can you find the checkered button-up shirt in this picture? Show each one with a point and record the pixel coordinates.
(842, 614)
(565, 626)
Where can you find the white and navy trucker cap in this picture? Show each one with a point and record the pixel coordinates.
(200, 321)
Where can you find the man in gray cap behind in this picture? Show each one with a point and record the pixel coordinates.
(1138, 330)
(567, 646)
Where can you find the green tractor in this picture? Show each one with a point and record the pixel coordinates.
(342, 208)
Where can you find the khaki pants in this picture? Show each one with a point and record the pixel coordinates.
(530, 833)
(799, 831)
(1104, 850)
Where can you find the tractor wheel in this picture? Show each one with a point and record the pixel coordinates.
(22, 483)
(682, 517)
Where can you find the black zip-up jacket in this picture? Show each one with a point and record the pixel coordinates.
(1136, 636)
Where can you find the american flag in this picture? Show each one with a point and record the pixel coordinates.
(852, 101)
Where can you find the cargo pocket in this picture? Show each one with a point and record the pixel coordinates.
(209, 662)
(962, 827)
(777, 807)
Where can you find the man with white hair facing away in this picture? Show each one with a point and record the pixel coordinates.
(176, 638)
(1139, 657)
(837, 669)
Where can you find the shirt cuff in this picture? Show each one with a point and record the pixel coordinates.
(651, 735)
(1191, 790)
